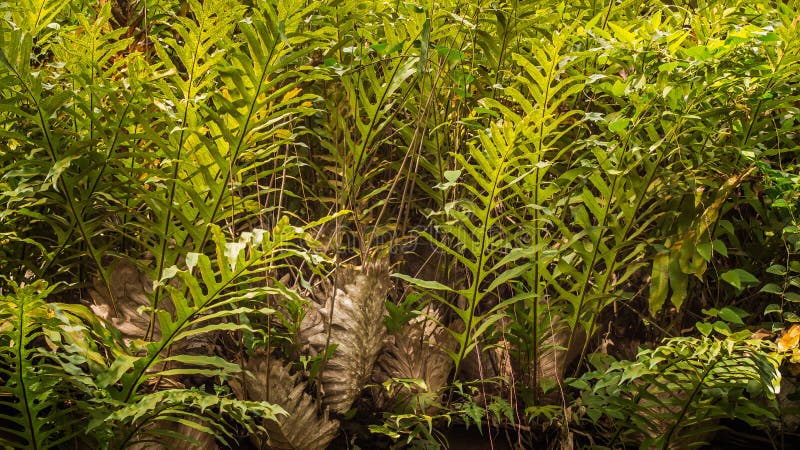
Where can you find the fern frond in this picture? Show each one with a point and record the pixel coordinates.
(670, 394)
(68, 178)
(32, 399)
(269, 379)
(191, 60)
(255, 113)
(350, 320)
(419, 351)
(224, 290)
(188, 407)
(35, 16)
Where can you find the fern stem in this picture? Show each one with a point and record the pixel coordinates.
(173, 186)
(110, 151)
(686, 405)
(476, 296)
(608, 13)
(501, 56)
(536, 238)
(21, 365)
(590, 268)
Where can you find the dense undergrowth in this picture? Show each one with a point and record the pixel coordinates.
(301, 224)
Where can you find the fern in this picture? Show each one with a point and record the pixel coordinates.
(219, 296)
(138, 422)
(269, 380)
(674, 395)
(471, 241)
(191, 60)
(540, 201)
(33, 401)
(256, 113)
(234, 112)
(348, 321)
(34, 18)
(547, 81)
(41, 104)
(369, 96)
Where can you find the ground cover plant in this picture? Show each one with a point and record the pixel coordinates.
(299, 224)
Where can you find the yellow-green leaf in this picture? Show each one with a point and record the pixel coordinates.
(659, 282)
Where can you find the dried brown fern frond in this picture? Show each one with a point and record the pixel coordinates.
(351, 318)
(417, 352)
(192, 438)
(303, 428)
(555, 356)
(494, 362)
(130, 288)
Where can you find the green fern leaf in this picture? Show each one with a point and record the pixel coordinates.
(34, 416)
(675, 395)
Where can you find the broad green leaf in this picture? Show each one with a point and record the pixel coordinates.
(659, 282)
(730, 315)
(777, 269)
(678, 282)
(622, 34)
(704, 328)
(739, 278)
(704, 250)
(619, 124)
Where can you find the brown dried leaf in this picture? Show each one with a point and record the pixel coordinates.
(790, 339)
(416, 352)
(303, 428)
(129, 292)
(198, 440)
(352, 320)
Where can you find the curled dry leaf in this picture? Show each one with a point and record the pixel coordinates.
(303, 428)
(351, 318)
